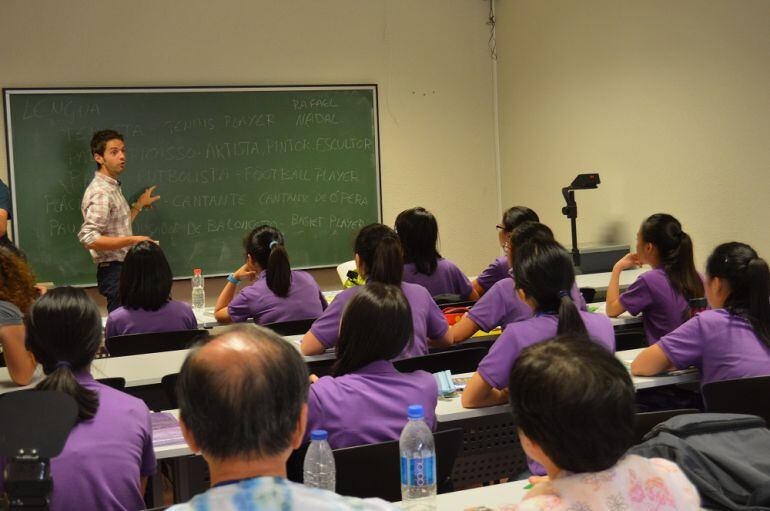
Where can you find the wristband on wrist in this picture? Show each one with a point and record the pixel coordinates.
(138, 210)
(231, 278)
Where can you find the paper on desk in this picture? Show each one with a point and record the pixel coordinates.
(165, 429)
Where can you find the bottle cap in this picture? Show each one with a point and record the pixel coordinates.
(416, 412)
(197, 271)
(319, 434)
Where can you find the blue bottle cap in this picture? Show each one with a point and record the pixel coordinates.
(416, 412)
(319, 434)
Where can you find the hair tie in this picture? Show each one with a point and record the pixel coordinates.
(272, 244)
(562, 294)
(63, 363)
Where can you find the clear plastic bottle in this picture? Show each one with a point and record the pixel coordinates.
(418, 463)
(198, 292)
(319, 470)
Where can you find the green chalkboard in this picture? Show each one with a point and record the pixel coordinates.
(225, 159)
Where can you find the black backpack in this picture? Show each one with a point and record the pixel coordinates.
(726, 456)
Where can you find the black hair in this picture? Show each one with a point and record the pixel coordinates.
(527, 231)
(251, 407)
(99, 141)
(514, 216)
(676, 254)
(379, 248)
(376, 325)
(64, 331)
(543, 270)
(576, 401)
(418, 231)
(749, 279)
(145, 279)
(266, 247)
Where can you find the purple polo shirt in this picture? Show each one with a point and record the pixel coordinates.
(723, 346)
(652, 294)
(497, 270)
(170, 317)
(305, 301)
(427, 319)
(369, 405)
(447, 278)
(501, 305)
(496, 366)
(104, 457)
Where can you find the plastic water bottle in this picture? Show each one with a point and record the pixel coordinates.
(418, 463)
(319, 471)
(198, 292)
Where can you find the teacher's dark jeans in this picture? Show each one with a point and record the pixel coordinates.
(108, 281)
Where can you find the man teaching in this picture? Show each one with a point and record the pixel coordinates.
(106, 230)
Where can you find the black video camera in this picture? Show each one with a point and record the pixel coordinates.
(34, 426)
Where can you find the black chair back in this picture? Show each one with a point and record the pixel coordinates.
(456, 361)
(321, 367)
(645, 421)
(354, 466)
(296, 327)
(630, 339)
(153, 342)
(744, 395)
(168, 383)
(116, 383)
(589, 294)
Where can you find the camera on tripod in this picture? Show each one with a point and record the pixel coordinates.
(34, 426)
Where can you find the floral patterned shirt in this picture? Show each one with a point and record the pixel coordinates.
(633, 484)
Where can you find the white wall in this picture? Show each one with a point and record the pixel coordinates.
(668, 100)
(429, 58)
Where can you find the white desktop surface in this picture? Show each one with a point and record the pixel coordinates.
(488, 496)
(625, 319)
(600, 281)
(451, 409)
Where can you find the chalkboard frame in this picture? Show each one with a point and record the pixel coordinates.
(8, 92)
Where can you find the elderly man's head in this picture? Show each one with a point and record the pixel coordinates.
(242, 395)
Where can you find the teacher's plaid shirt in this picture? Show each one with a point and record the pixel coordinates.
(105, 213)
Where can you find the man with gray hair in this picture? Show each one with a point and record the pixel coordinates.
(243, 406)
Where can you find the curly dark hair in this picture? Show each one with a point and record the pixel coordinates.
(18, 282)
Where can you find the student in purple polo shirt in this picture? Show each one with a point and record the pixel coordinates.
(108, 455)
(145, 295)
(544, 275)
(279, 293)
(376, 326)
(498, 269)
(501, 305)
(662, 293)
(732, 340)
(418, 231)
(378, 259)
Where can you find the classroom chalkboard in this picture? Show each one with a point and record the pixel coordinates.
(224, 159)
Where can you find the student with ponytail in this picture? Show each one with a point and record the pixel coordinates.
(500, 305)
(108, 455)
(379, 259)
(662, 293)
(279, 293)
(544, 277)
(732, 340)
(418, 231)
(498, 269)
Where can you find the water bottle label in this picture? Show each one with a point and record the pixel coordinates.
(418, 471)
